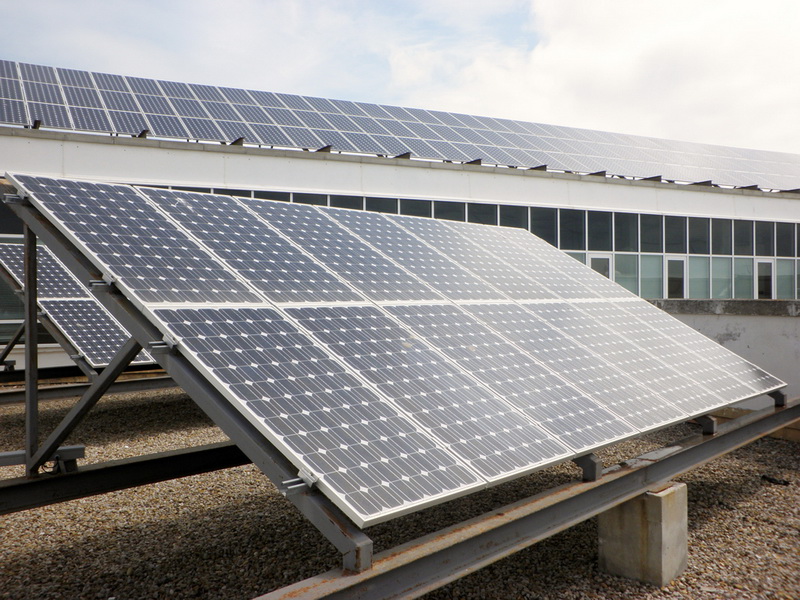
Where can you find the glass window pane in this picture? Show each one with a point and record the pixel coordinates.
(699, 235)
(234, 192)
(356, 202)
(784, 279)
(514, 216)
(452, 211)
(765, 238)
(743, 278)
(721, 280)
(543, 224)
(764, 283)
(416, 208)
(675, 282)
(652, 233)
(572, 229)
(11, 306)
(9, 222)
(784, 239)
(675, 235)
(266, 195)
(721, 236)
(699, 277)
(743, 238)
(626, 271)
(384, 205)
(601, 264)
(652, 268)
(626, 232)
(482, 213)
(600, 230)
(316, 199)
(579, 256)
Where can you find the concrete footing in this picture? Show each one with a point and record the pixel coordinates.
(646, 538)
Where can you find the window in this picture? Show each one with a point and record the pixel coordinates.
(721, 240)
(599, 230)
(266, 195)
(233, 192)
(572, 229)
(784, 279)
(626, 271)
(451, 211)
(652, 269)
(601, 264)
(384, 205)
(315, 199)
(764, 282)
(675, 235)
(626, 232)
(482, 213)
(675, 278)
(652, 233)
(9, 222)
(699, 238)
(416, 208)
(743, 238)
(784, 239)
(514, 216)
(699, 277)
(356, 202)
(765, 238)
(721, 279)
(543, 224)
(743, 278)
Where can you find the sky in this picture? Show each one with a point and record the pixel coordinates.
(713, 71)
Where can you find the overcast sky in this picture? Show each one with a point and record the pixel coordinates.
(715, 71)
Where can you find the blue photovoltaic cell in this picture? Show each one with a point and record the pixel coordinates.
(360, 446)
(435, 269)
(365, 269)
(170, 268)
(482, 430)
(52, 278)
(256, 251)
(12, 111)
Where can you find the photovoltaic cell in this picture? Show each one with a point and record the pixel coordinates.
(361, 447)
(52, 278)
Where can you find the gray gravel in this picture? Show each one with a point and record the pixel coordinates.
(230, 535)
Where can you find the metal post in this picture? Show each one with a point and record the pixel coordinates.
(31, 351)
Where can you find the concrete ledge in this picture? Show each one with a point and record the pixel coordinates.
(743, 308)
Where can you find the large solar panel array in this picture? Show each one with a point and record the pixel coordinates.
(89, 327)
(36, 95)
(395, 361)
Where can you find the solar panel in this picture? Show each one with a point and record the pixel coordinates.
(94, 333)
(58, 99)
(352, 342)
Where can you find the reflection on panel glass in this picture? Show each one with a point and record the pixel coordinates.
(626, 232)
(572, 229)
(544, 223)
(742, 278)
(652, 228)
(599, 230)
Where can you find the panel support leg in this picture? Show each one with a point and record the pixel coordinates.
(709, 424)
(646, 538)
(90, 397)
(31, 350)
(779, 397)
(592, 466)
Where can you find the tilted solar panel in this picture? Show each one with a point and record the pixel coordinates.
(395, 361)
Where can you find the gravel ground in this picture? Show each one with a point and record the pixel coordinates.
(230, 535)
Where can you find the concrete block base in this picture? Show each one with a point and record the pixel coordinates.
(646, 538)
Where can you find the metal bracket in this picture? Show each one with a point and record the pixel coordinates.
(779, 397)
(708, 423)
(592, 466)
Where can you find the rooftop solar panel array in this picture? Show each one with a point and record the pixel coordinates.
(113, 104)
(94, 333)
(387, 367)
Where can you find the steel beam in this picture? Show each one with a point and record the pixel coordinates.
(422, 565)
(31, 348)
(23, 494)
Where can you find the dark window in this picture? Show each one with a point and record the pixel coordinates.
(764, 281)
(452, 211)
(765, 238)
(652, 233)
(384, 205)
(316, 199)
(233, 192)
(9, 222)
(572, 229)
(265, 195)
(543, 224)
(186, 188)
(600, 230)
(743, 237)
(626, 232)
(675, 281)
(675, 235)
(698, 235)
(347, 202)
(482, 213)
(416, 208)
(784, 239)
(721, 236)
(514, 216)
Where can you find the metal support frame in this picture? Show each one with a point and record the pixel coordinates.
(10, 346)
(354, 544)
(708, 423)
(591, 465)
(31, 350)
(429, 562)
